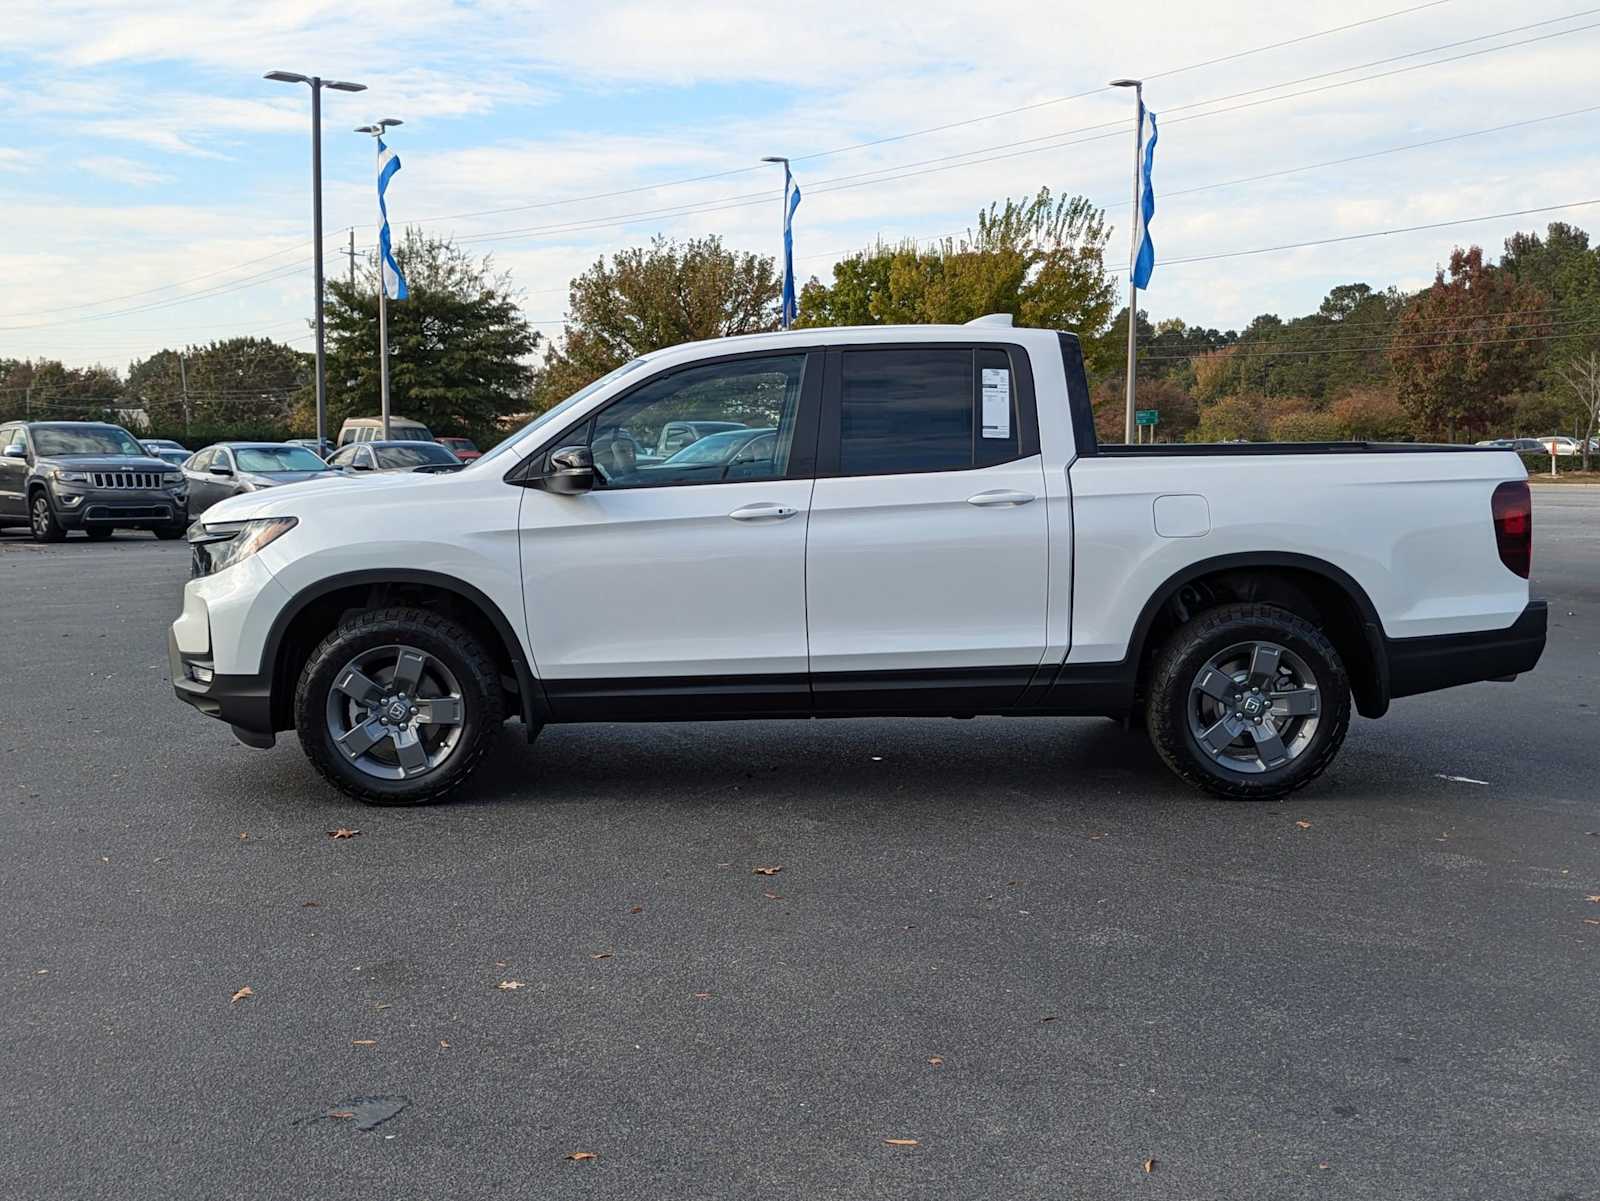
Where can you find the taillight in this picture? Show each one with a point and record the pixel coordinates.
(1512, 506)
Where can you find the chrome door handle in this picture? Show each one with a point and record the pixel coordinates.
(763, 513)
(1000, 497)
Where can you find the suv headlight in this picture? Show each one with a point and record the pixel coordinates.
(225, 543)
(69, 477)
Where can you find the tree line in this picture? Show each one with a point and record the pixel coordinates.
(1508, 347)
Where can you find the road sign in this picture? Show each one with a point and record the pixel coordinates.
(1147, 417)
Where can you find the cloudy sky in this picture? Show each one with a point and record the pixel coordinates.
(154, 189)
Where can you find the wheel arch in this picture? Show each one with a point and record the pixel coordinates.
(316, 609)
(1314, 588)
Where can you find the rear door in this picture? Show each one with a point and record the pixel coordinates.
(927, 560)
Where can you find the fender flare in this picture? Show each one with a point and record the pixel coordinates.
(535, 708)
(1371, 702)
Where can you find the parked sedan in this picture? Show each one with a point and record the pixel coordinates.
(364, 457)
(230, 468)
(464, 449)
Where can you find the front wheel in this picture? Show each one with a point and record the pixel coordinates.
(397, 706)
(42, 520)
(168, 533)
(1248, 701)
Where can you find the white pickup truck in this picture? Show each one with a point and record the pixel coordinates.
(861, 522)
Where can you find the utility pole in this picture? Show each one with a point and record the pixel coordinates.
(183, 375)
(1134, 222)
(352, 253)
(27, 403)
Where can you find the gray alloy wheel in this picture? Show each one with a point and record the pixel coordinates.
(1254, 707)
(43, 521)
(395, 712)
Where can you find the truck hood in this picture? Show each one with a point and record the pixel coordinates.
(103, 463)
(320, 495)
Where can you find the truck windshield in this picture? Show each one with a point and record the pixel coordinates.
(51, 440)
(552, 413)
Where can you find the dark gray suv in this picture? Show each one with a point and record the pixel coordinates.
(57, 476)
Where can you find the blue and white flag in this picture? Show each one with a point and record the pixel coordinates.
(1144, 253)
(394, 284)
(791, 201)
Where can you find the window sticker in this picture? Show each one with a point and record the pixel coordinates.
(996, 402)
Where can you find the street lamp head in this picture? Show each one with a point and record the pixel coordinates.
(1126, 83)
(340, 85)
(287, 77)
(774, 158)
(368, 129)
(388, 121)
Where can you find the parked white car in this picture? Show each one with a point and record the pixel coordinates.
(931, 529)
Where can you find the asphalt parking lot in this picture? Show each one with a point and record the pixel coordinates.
(1019, 943)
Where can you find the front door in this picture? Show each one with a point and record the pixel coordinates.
(677, 586)
(928, 557)
(13, 474)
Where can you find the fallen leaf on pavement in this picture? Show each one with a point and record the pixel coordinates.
(341, 1113)
(311, 904)
(363, 1042)
(508, 985)
(702, 996)
(342, 832)
(900, 1142)
(381, 1005)
(1322, 1166)
(1095, 837)
(1591, 921)
(244, 992)
(242, 837)
(1149, 1166)
(637, 909)
(580, 1156)
(1304, 825)
(1051, 1018)
(772, 896)
(937, 1061)
(769, 871)
(601, 955)
(1595, 898)
(444, 1044)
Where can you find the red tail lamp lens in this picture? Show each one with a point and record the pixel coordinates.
(1512, 506)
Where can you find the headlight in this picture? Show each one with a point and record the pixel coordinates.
(226, 543)
(256, 482)
(70, 477)
(171, 479)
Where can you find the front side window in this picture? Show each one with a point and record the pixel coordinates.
(935, 409)
(723, 421)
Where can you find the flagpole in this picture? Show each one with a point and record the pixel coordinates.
(783, 241)
(1133, 222)
(376, 131)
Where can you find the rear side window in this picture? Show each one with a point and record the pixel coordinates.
(936, 409)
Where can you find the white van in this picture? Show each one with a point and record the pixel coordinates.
(370, 429)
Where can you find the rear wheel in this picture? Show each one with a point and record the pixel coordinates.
(98, 533)
(397, 706)
(42, 519)
(168, 533)
(1249, 701)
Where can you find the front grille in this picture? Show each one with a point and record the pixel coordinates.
(125, 479)
(127, 513)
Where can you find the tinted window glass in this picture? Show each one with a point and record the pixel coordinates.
(728, 406)
(84, 440)
(905, 410)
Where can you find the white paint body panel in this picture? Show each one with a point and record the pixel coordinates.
(663, 582)
(903, 573)
(1414, 530)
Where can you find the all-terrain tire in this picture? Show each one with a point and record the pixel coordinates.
(1187, 652)
(42, 518)
(435, 635)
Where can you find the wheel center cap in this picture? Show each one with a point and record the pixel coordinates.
(399, 709)
(1253, 706)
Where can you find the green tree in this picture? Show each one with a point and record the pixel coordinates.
(1463, 344)
(1231, 419)
(458, 345)
(1039, 259)
(46, 389)
(646, 298)
(234, 382)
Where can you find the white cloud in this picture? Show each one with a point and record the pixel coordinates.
(124, 170)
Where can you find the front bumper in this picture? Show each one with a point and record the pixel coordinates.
(1419, 665)
(244, 702)
(77, 507)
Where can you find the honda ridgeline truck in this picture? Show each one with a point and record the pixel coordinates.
(920, 523)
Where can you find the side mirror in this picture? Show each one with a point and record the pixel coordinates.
(15, 451)
(361, 467)
(221, 469)
(571, 471)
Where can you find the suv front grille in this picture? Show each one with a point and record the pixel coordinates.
(125, 479)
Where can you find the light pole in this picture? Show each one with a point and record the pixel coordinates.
(787, 303)
(376, 132)
(1133, 220)
(316, 83)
